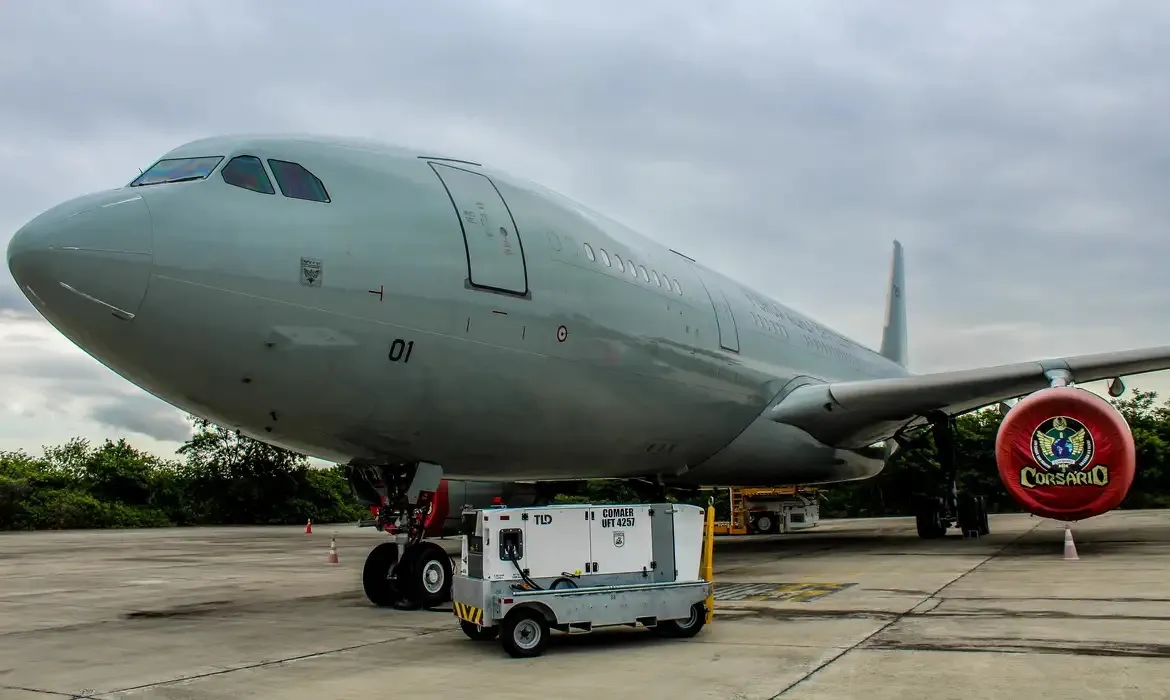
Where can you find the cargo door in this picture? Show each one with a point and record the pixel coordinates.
(728, 333)
(495, 255)
(621, 539)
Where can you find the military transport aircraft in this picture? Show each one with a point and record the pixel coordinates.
(424, 318)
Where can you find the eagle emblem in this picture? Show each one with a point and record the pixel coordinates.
(1062, 443)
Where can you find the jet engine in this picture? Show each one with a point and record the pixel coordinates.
(1065, 453)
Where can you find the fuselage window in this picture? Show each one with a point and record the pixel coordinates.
(633, 270)
(247, 172)
(296, 182)
(605, 257)
(645, 275)
(618, 259)
(655, 276)
(677, 289)
(589, 253)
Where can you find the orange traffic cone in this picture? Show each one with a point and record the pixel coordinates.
(332, 558)
(1070, 548)
(309, 526)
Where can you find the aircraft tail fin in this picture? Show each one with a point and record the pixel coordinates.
(894, 334)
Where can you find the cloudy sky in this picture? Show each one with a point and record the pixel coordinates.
(1019, 150)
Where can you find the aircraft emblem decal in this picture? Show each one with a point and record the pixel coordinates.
(1062, 443)
(311, 272)
(1062, 456)
(562, 334)
(619, 539)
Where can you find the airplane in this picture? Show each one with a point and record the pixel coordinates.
(424, 318)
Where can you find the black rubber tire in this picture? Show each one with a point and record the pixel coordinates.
(563, 582)
(973, 515)
(928, 519)
(769, 521)
(968, 515)
(984, 521)
(405, 581)
(379, 588)
(478, 634)
(514, 632)
(431, 574)
(683, 629)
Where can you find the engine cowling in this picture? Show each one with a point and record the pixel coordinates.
(1065, 453)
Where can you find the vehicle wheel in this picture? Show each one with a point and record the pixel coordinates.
(478, 634)
(682, 629)
(765, 524)
(563, 582)
(431, 574)
(524, 633)
(928, 518)
(379, 587)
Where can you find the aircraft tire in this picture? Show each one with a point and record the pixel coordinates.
(928, 519)
(973, 515)
(379, 588)
(984, 520)
(424, 576)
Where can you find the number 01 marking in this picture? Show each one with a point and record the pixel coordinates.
(400, 350)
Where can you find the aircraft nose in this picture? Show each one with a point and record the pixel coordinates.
(93, 255)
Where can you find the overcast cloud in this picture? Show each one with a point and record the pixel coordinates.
(1019, 150)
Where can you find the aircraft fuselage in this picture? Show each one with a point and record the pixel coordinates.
(434, 310)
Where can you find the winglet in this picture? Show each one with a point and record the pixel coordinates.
(894, 334)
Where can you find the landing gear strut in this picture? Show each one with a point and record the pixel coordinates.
(408, 573)
(934, 515)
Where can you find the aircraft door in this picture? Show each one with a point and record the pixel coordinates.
(728, 333)
(495, 256)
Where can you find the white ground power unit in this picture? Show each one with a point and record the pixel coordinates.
(526, 571)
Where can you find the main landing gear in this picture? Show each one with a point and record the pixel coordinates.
(934, 515)
(408, 573)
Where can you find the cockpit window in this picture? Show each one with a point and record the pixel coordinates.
(247, 172)
(177, 170)
(296, 182)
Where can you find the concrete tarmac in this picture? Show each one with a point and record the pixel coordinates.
(851, 609)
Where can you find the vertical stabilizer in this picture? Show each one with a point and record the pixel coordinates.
(894, 334)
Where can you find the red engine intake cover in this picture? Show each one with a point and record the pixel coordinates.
(1065, 453)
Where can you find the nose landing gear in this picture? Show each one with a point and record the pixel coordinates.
(408, 573)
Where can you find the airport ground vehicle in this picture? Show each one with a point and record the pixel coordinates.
(762, 511)
(575, 568)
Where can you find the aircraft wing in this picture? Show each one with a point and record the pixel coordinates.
(855, 414)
